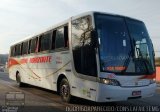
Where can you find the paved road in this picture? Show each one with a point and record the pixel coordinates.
(41, 100)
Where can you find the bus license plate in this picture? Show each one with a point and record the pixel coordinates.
(136, 93)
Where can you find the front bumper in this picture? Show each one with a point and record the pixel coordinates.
(108, 93)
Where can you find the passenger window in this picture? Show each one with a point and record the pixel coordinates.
(13, 51)
(53, 39)
(18, 50)
(21, 48)
(45, 42)
(66, 36)
(29, 47)
(25, 48)
(33, 45)
(60, 38)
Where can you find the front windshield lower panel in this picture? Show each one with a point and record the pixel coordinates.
(125, 47)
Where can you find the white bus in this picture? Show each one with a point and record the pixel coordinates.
(96, 56)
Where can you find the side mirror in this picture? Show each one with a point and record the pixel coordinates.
(94, 39)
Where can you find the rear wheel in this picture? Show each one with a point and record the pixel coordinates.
(18, 79)
(65, 90)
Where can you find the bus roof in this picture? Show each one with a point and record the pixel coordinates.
(65, 22)
(92, 12)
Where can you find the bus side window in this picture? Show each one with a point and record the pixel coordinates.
(66, 36)
(45, 41)
(21, 48)
(29, 47)
(25, 48)
(53, 39)
(33, 45)
(13, 51)
(18, 50)
(59, 42)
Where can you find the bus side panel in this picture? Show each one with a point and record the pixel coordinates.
(84, 88)
(49, 72)
(16, 67)
(42, 70)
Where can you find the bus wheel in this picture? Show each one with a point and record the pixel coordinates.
(18, 79)
(65, 90)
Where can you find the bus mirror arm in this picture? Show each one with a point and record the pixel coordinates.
(94, 39)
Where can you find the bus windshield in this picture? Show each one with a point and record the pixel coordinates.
(125, 46)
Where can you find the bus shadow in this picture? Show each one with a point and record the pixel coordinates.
(28, 86)
(80, 101)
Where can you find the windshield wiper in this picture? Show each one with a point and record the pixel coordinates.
(126, 62)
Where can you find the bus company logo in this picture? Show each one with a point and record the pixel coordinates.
(41, 59)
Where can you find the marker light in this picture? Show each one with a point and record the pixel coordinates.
(152, 81)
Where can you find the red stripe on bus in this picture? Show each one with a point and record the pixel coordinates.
(12, 62)
(152, 76)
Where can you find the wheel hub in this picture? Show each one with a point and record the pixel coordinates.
(65, 90)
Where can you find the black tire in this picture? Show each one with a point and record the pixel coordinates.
(65, 90)
(18, 79)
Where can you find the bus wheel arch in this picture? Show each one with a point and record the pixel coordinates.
(18, 79)
(18, 76)
(60, 78)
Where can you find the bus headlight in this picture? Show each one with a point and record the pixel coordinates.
(152, 81)
(112, 82)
